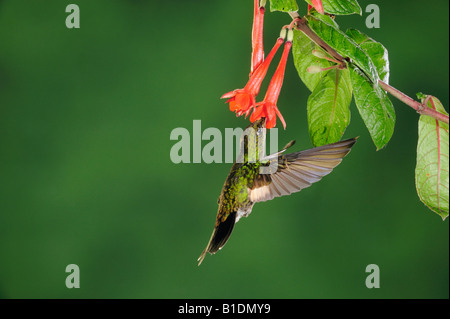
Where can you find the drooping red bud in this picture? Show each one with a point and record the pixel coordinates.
(257, 36)
(317, 4)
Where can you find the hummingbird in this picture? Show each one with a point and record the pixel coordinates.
(255, 178)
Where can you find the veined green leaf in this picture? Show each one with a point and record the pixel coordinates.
(432, 161)
(340, 7)
(283, 5)
(328, 107)
(344, 45)
(303, 58)
(375, 50)
(324, 18)
(374, 107)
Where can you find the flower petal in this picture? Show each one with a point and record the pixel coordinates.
(228, 95)
(257, 113)
(271, 116)
(232, 104)
(243, 101)
(280, 117)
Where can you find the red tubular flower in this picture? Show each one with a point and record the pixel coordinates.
(257, 36)
(268, 107)
(317, 4)
(243, 100)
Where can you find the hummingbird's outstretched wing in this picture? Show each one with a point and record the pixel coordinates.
(299, 170)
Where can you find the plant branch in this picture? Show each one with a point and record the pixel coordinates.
(302, 25)
(422, 109)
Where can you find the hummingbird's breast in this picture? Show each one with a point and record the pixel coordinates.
(235, 195)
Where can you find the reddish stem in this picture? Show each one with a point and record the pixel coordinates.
(419, 107)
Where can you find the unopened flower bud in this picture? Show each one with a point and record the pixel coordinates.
(290, 35)
(314, 69)
(319, 54)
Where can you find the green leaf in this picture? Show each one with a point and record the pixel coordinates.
(303, 58)
(324, 18)
(375, 50)
(432, 161)
(283, 5)
(340, 7)
(328, 107)
(374, 107)
(344, 45)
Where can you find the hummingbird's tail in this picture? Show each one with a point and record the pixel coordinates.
(219, 237)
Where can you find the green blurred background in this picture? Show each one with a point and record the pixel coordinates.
(86, 176)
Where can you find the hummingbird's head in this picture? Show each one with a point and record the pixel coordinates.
(253, 140)
(261, 123)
